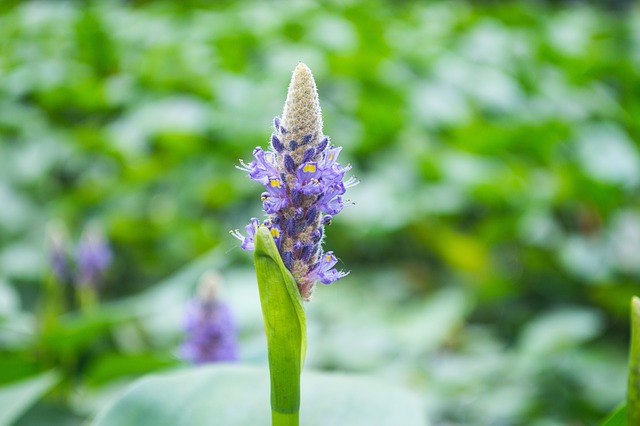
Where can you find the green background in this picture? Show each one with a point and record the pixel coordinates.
(494, 243)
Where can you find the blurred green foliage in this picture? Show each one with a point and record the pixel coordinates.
(496, 233)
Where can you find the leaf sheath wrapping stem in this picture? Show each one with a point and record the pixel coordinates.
(285, 326)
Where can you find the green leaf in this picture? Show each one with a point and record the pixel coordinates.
(17, 397)
(115, 365)
(79, 330)
(633, 386)
(234, 395)
(285, 325)
(617, 418)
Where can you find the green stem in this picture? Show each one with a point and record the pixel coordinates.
(52, 305)
(633, 389)
(281, 419)
(285, 326)
(87, 298)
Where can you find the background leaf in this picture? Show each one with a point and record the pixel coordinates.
(617, 418)
(17, 397)
(495, 239)
(237, 396)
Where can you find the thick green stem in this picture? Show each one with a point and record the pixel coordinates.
(285, 326)
(280, 419)
(52, 305)
(87, 298)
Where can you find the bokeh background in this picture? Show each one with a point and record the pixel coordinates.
(494, 243)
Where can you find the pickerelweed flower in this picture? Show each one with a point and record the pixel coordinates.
(303, 184)
(93, 257)
(57, 245)
(209, 325)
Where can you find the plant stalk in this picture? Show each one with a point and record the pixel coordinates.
(285, 326)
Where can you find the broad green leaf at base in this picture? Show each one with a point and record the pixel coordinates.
(17, 397)
(234, 395)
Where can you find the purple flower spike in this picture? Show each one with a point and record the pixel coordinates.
(303, 184)
(209, 326)
(93, 257)
(58, 252)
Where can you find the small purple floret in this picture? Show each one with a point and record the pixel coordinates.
(324, 270)
(247, 242)
(276, 198)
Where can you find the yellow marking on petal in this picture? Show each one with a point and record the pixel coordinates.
(275, 183)
(275, 232)
(309, 168)
(328, 257)
(330, 156)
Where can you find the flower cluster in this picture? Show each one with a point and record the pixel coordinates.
(303, 184)
(57, 251)
(209, 325)
(92, 256)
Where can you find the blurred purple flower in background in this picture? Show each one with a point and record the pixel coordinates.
(93, 257)
(210, 328)
(58, 253)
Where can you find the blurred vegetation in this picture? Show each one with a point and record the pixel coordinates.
(495, 239)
